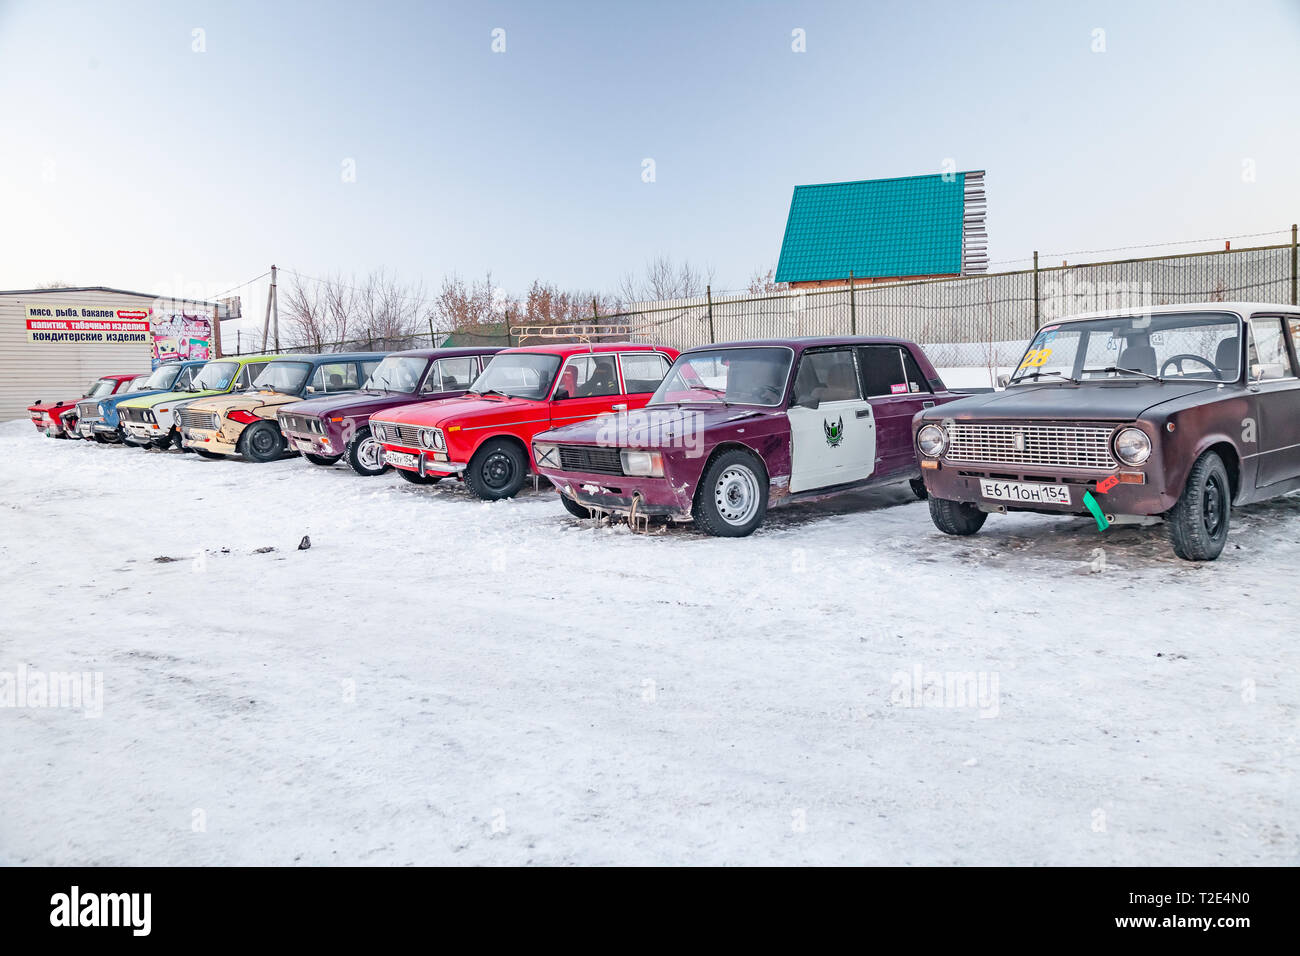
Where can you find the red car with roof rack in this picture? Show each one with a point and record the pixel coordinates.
(485, 437)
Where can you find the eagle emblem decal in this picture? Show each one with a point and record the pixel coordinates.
(834, 433)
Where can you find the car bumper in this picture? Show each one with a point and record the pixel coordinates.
(217, 442)
(313, 444)
(421, 462)
(141, 432)
(621, 494)
(961, 482)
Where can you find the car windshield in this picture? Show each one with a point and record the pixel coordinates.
(287, 377)
(140, 384)
(1175, 346)
(518, 374)
(397, 373)
(216, 376)
(99, 388)
(162, 378)
(744, 376)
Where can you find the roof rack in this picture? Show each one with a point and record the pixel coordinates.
(585, 332)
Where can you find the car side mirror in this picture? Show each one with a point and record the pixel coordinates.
(561, 394)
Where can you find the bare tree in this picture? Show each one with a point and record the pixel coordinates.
(338, 312)
(56, 284)
(764, 282)
(665, 279)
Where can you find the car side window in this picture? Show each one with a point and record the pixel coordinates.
(882, 370)
(1295, 334)
(643, 371)
(368, 368)
(915, 380)
(827, 376)
(451, 374)
(1269, 358)
(335, 377)
(246, 376)
(590, 376)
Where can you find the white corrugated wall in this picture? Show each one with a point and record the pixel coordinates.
(57, 370)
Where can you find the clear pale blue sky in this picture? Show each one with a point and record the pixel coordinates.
(130, 160)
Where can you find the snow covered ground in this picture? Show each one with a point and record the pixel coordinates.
(438, 680)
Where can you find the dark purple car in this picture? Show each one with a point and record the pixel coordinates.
(735, 428)
(328, 429)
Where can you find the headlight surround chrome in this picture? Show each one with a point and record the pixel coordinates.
(426, 437)
(439, 439)
(102, 410)
(377, 430)
(546, 455)
(642, 464)
(1132, 446)
(931, 441)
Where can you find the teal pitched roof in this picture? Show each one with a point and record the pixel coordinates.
(874, 228)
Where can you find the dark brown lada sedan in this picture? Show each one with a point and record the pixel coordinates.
(1175, 411)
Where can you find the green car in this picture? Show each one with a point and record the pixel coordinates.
(151, 421)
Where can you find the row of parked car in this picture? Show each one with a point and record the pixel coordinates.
(1174, 413)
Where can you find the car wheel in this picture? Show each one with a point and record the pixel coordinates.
(731, 500)
(103, 439)
(1198, 523)
(956, 517)
(365, 455)
(573, 508)
(261, 442)
(323, 460)
(497, 470)
(918, 488)
(415, 478)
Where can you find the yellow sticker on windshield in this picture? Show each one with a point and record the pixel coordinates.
(1036, 358)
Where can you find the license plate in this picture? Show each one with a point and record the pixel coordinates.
(401, 460)
(192, 436)
(303, 444)
(1024, 492)
(86, 431)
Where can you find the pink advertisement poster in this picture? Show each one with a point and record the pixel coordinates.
(181, 336)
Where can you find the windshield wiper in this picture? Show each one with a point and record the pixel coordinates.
(1131, 371)
(1035, 375)
(492, 391)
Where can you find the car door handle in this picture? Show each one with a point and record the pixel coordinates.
(927, 404)
(864, 413)
(620, 407)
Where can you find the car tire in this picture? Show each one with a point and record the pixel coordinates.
(323, 460)
(573, 508)
(365, 455)
(103, 439)
(415, 478)
(918, 488)
(1198, 523)
(956, 517)
(731, 500)
(498, 470)
(261, 442)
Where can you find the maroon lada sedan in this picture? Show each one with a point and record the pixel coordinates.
(734, 429)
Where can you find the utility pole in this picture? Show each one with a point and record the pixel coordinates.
(275, 306)
(708, 294)
(266, 321)
(853, 307)
(1035, 290)
(1295, 263)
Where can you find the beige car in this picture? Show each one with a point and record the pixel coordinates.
(244, 423)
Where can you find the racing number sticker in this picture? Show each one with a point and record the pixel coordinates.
(1036, 358)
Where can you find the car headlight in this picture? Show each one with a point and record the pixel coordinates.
(148, 416)
(931, 440)
(102, 409)
(546, 456)
(1132, 446)
(378, 431)
(643, 464)
(426, 437)
(439, 439)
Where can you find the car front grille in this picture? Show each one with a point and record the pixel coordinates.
(203, 420)
(1052, 446)
(408, 436)
(88, 409)
(301, 424)
(589, 458)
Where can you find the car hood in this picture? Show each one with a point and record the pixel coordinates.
(158, 398)
(656, 425)
(461, 411)
(51, 406)
(360, 402)
(114, 400)
(1095, 401)
(248, 401)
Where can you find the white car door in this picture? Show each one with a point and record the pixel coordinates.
(831, 424)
